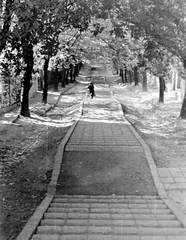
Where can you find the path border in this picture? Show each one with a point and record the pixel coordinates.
(32, 224)
(155, 175)
(36, 218)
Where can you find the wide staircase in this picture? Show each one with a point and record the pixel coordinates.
(108, 217)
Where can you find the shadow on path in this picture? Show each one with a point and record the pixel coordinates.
(105, 173)
(102, 156)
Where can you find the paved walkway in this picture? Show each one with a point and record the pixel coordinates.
(174, 184)
(104, 149)
(105, 189)
(102, 127)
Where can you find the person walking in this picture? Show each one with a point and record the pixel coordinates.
(91, 89)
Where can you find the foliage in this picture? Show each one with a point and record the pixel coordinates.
(118, 42)
(11, 76)
(149, 34)
(163, 22)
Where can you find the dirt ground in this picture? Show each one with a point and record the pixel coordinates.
(159, 124)
(27, 151)
(27, 166)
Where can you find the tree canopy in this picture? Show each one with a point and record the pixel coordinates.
(136, 34)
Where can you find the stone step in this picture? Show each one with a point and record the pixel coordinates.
(111, 200)
(114, 216)
(100, 210)
(109, 205)
(94, 211)
(104, 237)
(109, 218)
(56, 215)
(107, 197)
(139, 231)
(111, 222)
(105, 210)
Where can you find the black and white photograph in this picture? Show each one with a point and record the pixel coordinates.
(92, 119)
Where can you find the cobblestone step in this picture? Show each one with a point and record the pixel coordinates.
(109, 218)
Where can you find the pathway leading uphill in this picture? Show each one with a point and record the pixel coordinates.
(106, 189)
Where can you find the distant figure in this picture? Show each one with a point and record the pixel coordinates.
(91, 89)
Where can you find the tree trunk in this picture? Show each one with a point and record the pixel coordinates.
(80, 66)
(179, 82)
(136, 76)
(45, 87)
(173, 81)
(145, 81)
(161, 90)
(63, 78)
(183, 108)
(76, 70)
(130, 76)
(29, 61)
(56, 80)
(66, 76)
(71, 73)
(60, 76)
(126, 80)
(122, 76)
(74, 74)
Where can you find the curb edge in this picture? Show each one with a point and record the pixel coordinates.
(31, 225)
(157, 180)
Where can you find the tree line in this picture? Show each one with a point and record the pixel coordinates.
(145, 36)
(34, 32)
(140, 36)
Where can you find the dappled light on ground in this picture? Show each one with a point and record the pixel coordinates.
(27, 153)
(101, 107)
(61, 114)
(159, 124)
(11, 114)
(100, 120)
(46, 122)
(139, 104)
(8, 117)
